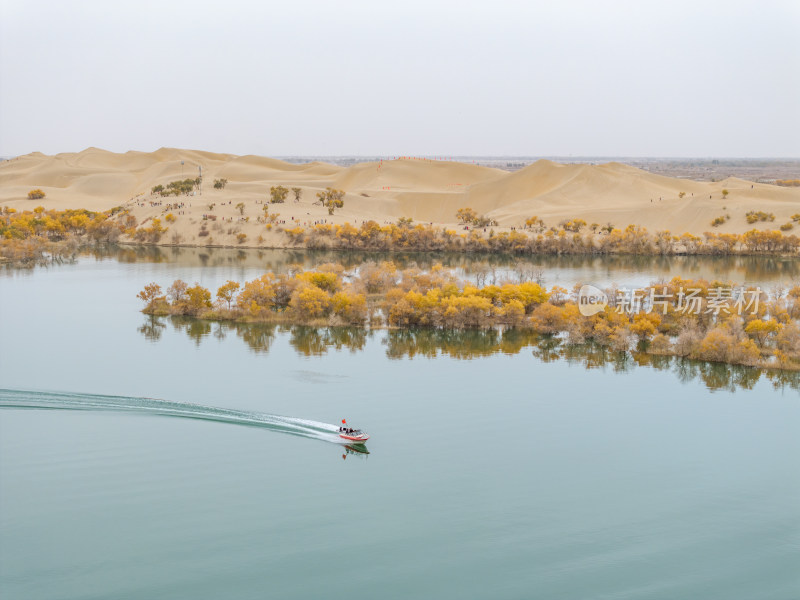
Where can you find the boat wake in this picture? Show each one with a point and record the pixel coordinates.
(19, 399)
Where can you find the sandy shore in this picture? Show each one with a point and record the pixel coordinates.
(425, 190)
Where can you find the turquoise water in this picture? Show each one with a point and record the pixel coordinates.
(137, 461)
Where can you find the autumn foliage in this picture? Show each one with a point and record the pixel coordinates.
(331, 199)
(766, 334)
(150, 233)
(277, 194)
(30, 236)
(572, 237)
(307, 297)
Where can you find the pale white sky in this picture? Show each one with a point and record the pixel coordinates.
(301, 77)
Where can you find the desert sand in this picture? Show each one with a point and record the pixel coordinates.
(427, 191)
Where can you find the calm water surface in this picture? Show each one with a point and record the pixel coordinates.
(554, 270)
(491, 473)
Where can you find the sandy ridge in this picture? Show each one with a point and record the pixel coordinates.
(426, 190)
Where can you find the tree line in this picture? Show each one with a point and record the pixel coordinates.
(38, 235)
(381, 295)
(633, 239)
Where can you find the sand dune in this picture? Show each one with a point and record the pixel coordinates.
(414, 175)
(427, 191)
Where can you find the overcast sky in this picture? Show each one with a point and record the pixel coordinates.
(308, 77)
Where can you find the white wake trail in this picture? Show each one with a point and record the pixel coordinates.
(96, 402)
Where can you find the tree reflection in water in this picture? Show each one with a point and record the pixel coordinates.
(758, 269)
(196, 329)
(152, 328)
(314, 341)
(471, 344)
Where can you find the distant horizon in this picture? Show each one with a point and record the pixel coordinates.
(455, 157)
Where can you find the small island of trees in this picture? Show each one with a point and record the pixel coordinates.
(381, 295)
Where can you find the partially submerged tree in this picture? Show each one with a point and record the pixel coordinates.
(177, 291)
(150, 292)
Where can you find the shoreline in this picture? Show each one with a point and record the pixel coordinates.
(453, 251)
(697, 321)
(236, 191)
(38, 250)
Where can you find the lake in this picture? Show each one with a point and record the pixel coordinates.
(500, 465)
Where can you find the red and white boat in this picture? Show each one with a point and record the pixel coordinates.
(355, 436)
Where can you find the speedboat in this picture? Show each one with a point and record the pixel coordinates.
(355, 436)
